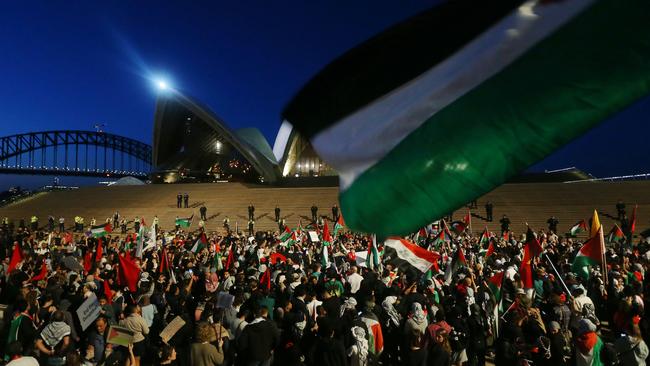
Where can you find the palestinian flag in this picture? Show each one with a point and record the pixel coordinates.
(327, 241)
(375, 335)
(164, 262)
(286, 234)
(421, 236)
(615, 235)
(372, 259)
(405, 255)
(186, 222)
(506, 235)
(231, 256)
(633, 220)
(490, 250)
(200, 244)
(494, 283)
(457, 262)
(101, 230)
(467, 220)
(576, 229)
(338, 226)
(532, 249)
(377, 113)
(592, 251)
(290, 241)
(216, 261)
(458, 227)
(440, 239)
(485, 238)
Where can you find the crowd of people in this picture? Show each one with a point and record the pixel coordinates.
(286, 298)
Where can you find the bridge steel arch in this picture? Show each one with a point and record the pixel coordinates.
(19, 154)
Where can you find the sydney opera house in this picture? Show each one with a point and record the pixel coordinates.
(192, 144)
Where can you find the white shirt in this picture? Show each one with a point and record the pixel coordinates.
(355, 282)
(24, 361)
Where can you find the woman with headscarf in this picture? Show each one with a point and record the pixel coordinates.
(417, 321)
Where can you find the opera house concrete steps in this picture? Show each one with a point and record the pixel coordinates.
(532, 203)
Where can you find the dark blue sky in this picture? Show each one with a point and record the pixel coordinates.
(69, 65)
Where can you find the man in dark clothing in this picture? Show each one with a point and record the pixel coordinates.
(314, 212)
(552, 223)
(21, 328)
(258, 340)
(251, 212)
(335, 212)
(186, 198)
(179, 200)
(203, 210)
(488, 211)
(505, 224)
(620, 209)
(277, 213)
(251, 227)
(328, 351)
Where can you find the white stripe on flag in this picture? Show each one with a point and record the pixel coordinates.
(350, 145)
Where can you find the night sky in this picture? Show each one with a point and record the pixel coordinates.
(72, 66)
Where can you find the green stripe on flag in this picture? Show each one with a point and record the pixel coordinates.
(556, 91)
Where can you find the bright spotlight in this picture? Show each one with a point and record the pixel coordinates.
(162, 85)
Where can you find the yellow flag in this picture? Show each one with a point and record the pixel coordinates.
(595, 225)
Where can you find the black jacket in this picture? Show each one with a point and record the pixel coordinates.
(328, 352)
(257, 341)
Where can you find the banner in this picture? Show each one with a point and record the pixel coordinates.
(88, 311)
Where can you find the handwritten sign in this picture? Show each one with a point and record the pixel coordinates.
(313, 236)
(88, 311)
(172, 328)
(120, 336)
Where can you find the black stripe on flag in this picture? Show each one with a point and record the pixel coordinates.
(389, 60)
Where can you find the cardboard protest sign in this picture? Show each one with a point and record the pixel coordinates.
(120, 336)
(88, 311)
(172, 328)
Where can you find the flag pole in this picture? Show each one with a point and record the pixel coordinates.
(558, 275)
(602, 249)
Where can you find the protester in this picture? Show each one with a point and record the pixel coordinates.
(265, 298)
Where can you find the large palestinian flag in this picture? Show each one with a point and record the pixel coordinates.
(404, 255)
(519, 79)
